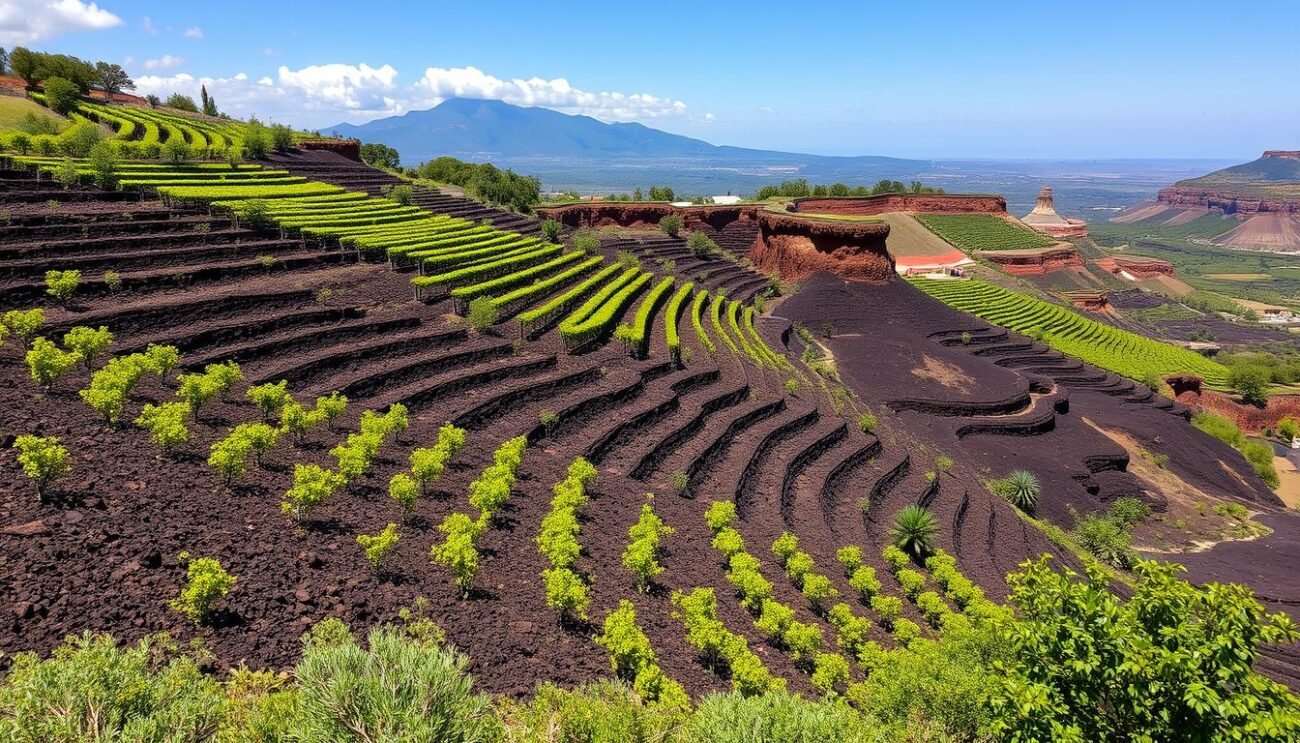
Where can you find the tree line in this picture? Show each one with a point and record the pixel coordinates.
(801, 189)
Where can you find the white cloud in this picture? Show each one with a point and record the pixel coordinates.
(269, 52)
(146, 24)
(193, 32)
(439, 84)
(165, 62)
(30, 21)
(324, 94)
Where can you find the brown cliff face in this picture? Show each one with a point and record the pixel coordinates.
(924, 203)
(1035, 263)
(1143, 268)
(796, 248)
(1227, 202)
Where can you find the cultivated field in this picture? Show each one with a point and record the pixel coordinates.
(973, 232)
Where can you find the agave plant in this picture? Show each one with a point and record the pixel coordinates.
(914, 530)
(1021, 489)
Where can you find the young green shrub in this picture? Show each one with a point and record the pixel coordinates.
(1107, 538)
(888, 608)
(549, 419)
(798, 567)
(867, 422)
(803, 642)
(895, 558)
(377, 546)
(633, 659)
(428, 464)
(551, 230)
(229, 456)
(89, 689)
(104, 164)
(932, 607)
(165, 423)
(784, 547)
(312, 484)
(331, 407)
(270, 398)
(850, 557)
(206, 583)
(175, 150)
(88, 343)
(400, 688)
(23, 324)
(401, 194)
(671, 224)
(162, 359)
(566, 593)
(62, 284)
(406, 491)
(775, 620)
(296, 420)
(680, 482)
(196, 390)
(641, 556)
(914, 530)
(729, 542)
(864, 581)
(791, 386)
(1020, 489)
(458, 551)
(586, 242)
(66, 174)
(701, 246)
(912, 582)
(720, 515)
(819, 590)
(46, 362)
(261, 438)
(831, 674)
(43, 459)
(224, 376)
(905, 631)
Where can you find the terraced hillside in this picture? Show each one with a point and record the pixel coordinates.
(652, 364)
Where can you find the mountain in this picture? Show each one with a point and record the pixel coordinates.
(561, 148)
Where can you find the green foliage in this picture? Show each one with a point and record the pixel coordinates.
(458, 551)
(720, 515)
(46, 362)
(791, 386)
(671, 224)
(43, 459)
(895, 558)
(932, 607)
(864, 581)
(1260, 457)
(176, 150)
(61, 95)
(405, 490)
(566, 593)
(331, 407)
(698, 611)
(850, 557)
(784, 547)
(1020, 489)
(62, 284)
(485, 182)
(551, 230)
(982, 232)
(1251, 382)
(1172, 663)
(729, 542)
(914, 530)
(700, 244)
(281, 138)
(312, 484)
(1220, 427)
(161, 359)
(888, 608)
(270, 398)
(166, 423)
(257, 140)
(206, 583)
(380, 156)
(818, 589)
(482, 313)
(490, 491)
(90, 690)
(196, 390)
(88, 343)
(641, 556)
(1130, 510)
(23, 324)
(229, 456)
(349, 693)
(1107, 538)
(831, 674)
(778, 717)
(912, 582)
(66, 174)
(428, 464)
(104, 165)
(377, 546)
(1288, 428)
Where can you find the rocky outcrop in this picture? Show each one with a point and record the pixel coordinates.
(923, 203)
(796, 248)
(1036, 262)
(1089, 301)
(1182, 197)
(1044, 219)
(1138, 266)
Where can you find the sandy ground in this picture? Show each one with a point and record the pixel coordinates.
(1140, 212)
(1289, 490)
(911, 243)
(1269, 231)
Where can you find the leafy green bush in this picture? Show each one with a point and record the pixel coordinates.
(912, 582)
(377, 546)
(43, 459)
(482, 313)
(312, 484)
(347, 693)
(778, 717)
(864, 581)
(566, 593)
(1220, 427)
(89, 689)
(818, 589)
(62, 284)
(1130, 510)
(206, 583)
(1260, 457)
(641, 556)
(88, 343)
(700, 244)
(671, 224)
(831, 674)
(459, 549)
(165, 423)
(720, 515)
(23, 324)
(104, 165)
(270, 398)
(850, 557)
(1107, 538)
(46, 362)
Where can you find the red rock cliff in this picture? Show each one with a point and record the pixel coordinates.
(925, 203)
(1224, 201)
(796, 248)
(1034, 263)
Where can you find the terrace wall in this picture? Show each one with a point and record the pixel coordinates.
(349, 148)
(796, 248)
(1145, 268)
(924, 203)
(1036, 263)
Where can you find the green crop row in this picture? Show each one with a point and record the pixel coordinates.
(562, 303)
(672, 316)
(636, 335)
(463, 295)
(438, 285)
(510, 301)
(598, 313)
(697, 320)
(720, 302)
(1101, 345)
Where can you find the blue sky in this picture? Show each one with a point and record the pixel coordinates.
(927, 80)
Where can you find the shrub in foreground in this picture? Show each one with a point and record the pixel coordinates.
(43, 459)
(206, 582)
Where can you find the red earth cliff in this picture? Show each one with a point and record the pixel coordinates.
(796, 248)
(1035, 263)
(1141, 267)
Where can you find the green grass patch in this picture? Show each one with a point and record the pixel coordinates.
(982, 232)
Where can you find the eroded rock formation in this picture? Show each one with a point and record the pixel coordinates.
(1137, 266)
(1035, 263)
(796, 248)
(1044, 218)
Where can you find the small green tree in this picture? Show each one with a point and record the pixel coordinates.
(166, 423)
(229, 456)
(1288, 428)
(700, 244)
(47, 362)
(66, 174)
(23, 324)
(1251, 382)
(206, 583)
(62, 284)
(914, 530)
(406, 491)
(61, 95)
(43, 459)
(377, 546)
(176, 150)
(270, 398)
(88, 343)
(330, 407)
(671, 224)
(312, 484)
(566, 593)
(104, 165)
(196, 390)
(281, 138)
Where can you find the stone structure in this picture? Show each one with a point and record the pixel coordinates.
(1044, 219)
